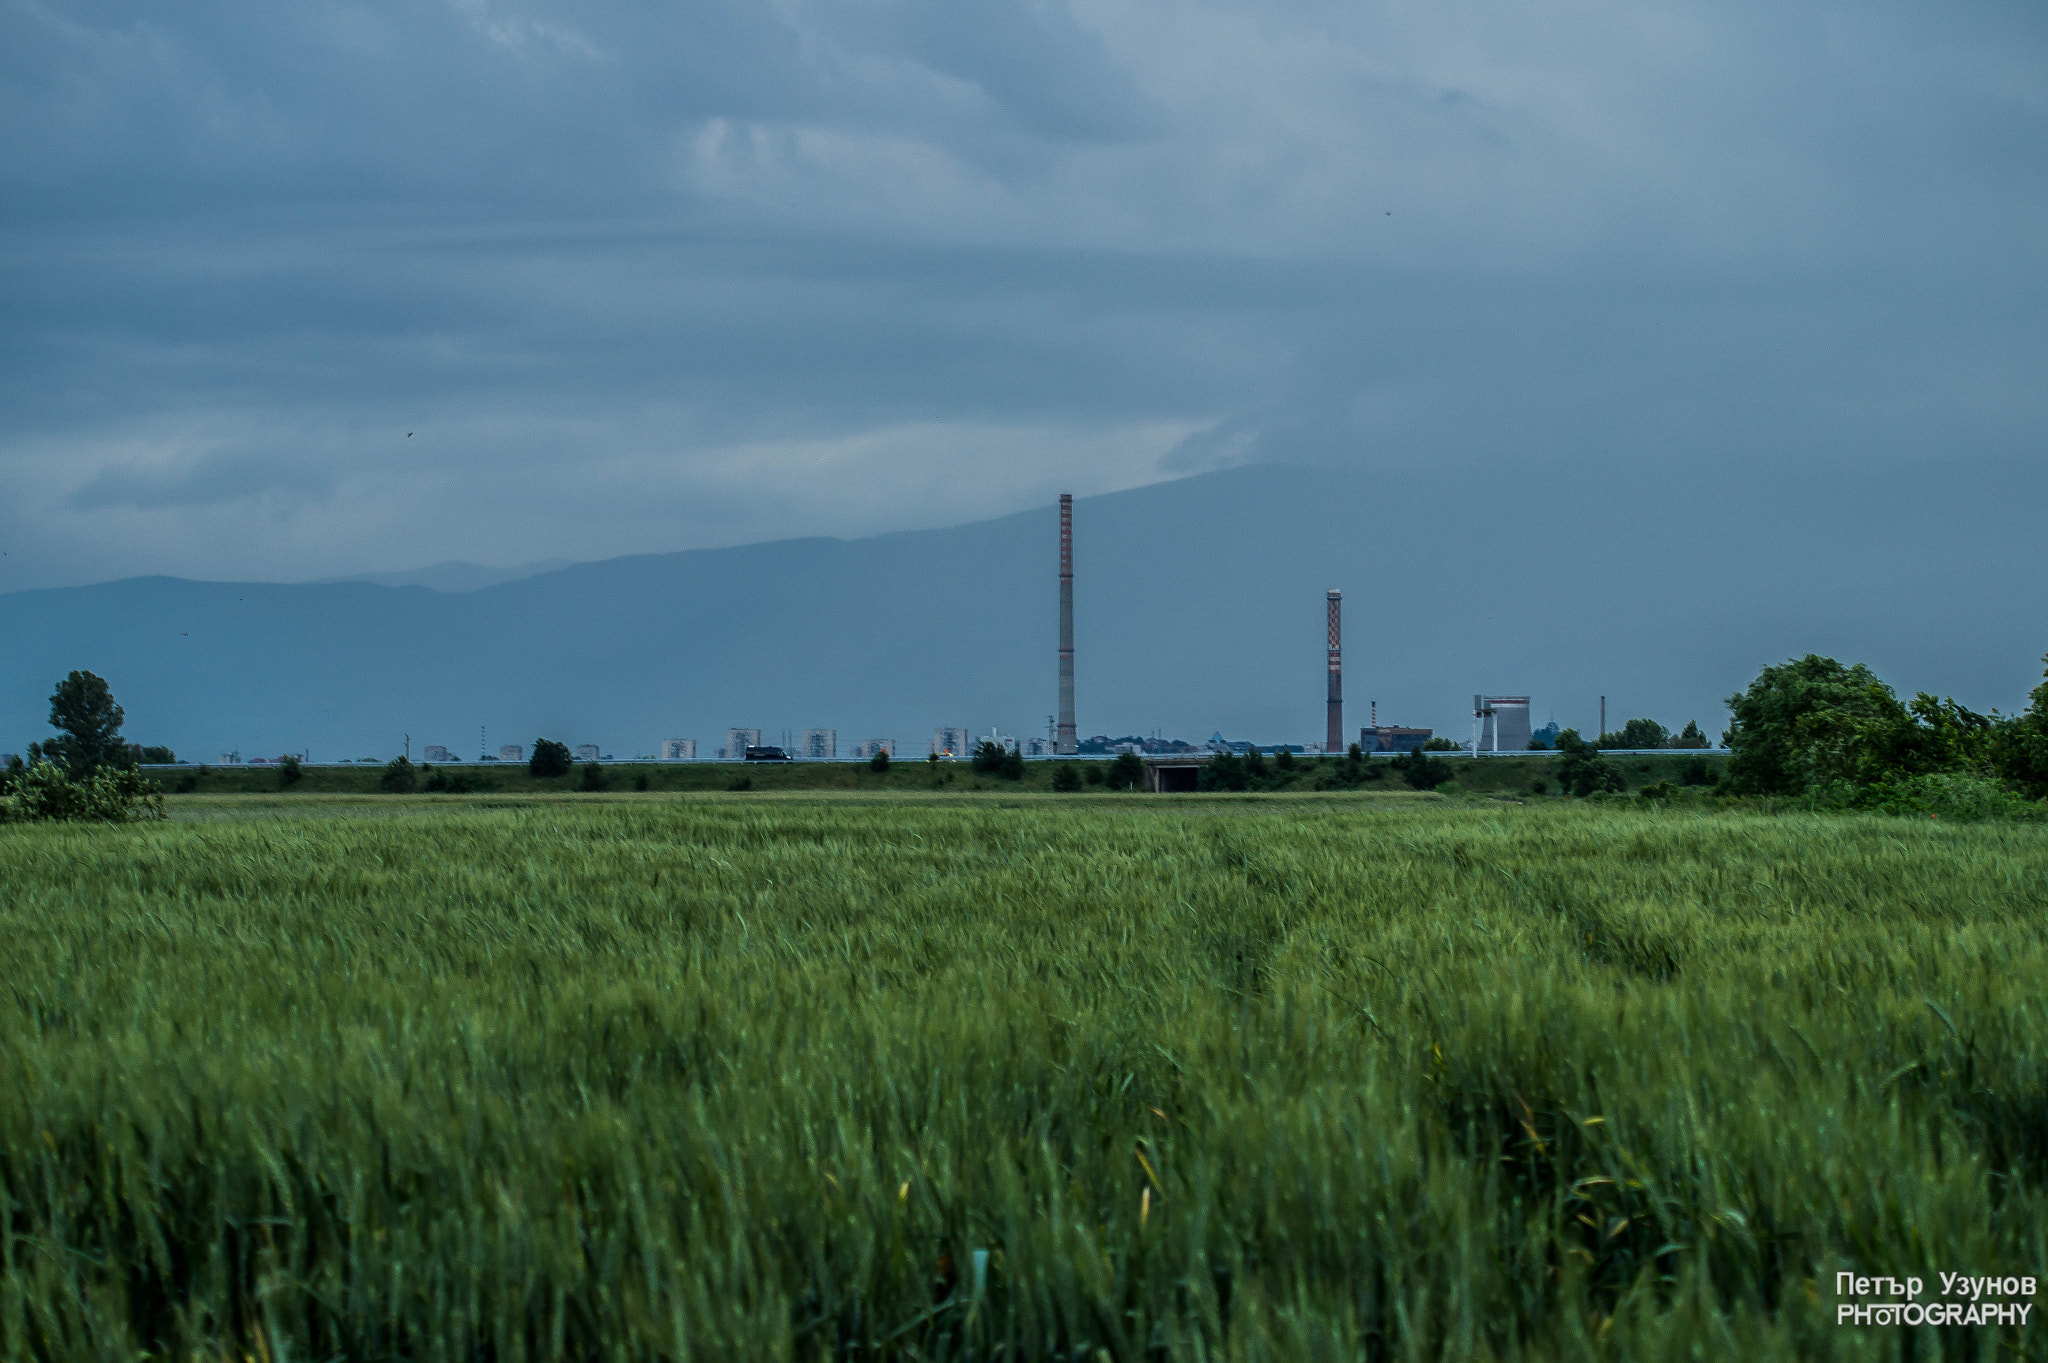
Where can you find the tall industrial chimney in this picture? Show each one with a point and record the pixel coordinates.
(1333, 740)
(1064, 740)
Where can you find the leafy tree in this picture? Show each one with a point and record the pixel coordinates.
(1691, 736)
(1011, 768)
(1126, 773)
(1637, 733)
(988, 756)
(1065, 778)
(593, 776)
(1582, 771)
(83, 707)
(550, 758)
(1224, 771)
(1420, 770)
(1441, 744)
(879, 763)
(155, 755)
(1697, 773)
(399, 778)
(1095, 775)
(1284, 759)
(1813, 722)
(1355, 753)
(289, 772)
(2019, 747)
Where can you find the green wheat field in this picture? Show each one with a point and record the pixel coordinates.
(1083, 1078)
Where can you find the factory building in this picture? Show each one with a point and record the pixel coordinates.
(1391, 738)
(437, 753)
(737, 741)
(678, 750)
(586, 752)
(951, 742)
(872, 746)
(820, 745)
(512, 752)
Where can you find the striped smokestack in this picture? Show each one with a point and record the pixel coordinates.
(1333, 740)
(1064, 740)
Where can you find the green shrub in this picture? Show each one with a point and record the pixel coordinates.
(1420, 770)
(593, 777)
(1065, 778)
(1126, 773)
(45, 792)
(443, 782)
(289, 772)
(640, 781)
(398, 778)
(1582, 771)
(1094, 774)
(879, 763)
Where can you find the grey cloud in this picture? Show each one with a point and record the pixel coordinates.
(211, 480)
(1700, 237)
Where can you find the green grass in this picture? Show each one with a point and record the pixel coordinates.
(763, 1077)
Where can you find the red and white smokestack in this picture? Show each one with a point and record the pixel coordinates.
(1333, 740)
(1064, 740)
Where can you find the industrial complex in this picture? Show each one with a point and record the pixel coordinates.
(1500, 724)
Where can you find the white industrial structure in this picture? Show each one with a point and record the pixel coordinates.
(586, 752)
(737, 741)
(821, 745)
(678, 750)
(873, 746)
(951, 742)
(1500, 724)
(511, 752)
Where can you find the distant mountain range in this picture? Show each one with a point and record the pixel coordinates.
(453, 575)
(1200, 608)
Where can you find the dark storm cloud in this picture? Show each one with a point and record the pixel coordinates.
(643, 276)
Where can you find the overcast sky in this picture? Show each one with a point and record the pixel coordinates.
(296, 290)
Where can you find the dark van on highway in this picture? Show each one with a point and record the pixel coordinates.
(767, 755)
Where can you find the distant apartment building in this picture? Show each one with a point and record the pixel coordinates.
(678, 750)
(512, 752)
(1038, 747)
(586, 752)
(436, 753)
(948, 742)
(737, 741)
(874, 745)
(820, 745)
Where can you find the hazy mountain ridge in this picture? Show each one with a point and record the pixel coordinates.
(1199, 607)
(452, 575)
